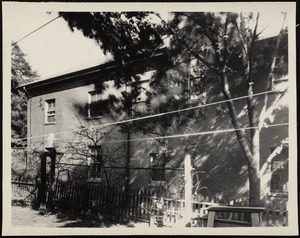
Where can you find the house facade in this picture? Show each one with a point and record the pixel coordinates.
(79, 115)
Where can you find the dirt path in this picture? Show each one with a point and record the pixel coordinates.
(27, 217)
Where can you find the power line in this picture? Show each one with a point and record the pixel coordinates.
(195, 134)
(81, 142)
(35, 30)
(135, 119)
(152, 116)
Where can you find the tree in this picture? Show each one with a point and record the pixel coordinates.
(229, 42)
(123, 34)
(21, 73)
(102, 160)
(223, 45)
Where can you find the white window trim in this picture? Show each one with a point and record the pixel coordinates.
(47, 111)
(91, 160)
(97, 92)
(143, 91)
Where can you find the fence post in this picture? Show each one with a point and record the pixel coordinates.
(42, 186)
(188, 188)
(52, 155)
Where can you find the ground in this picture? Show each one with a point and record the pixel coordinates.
(28, 217)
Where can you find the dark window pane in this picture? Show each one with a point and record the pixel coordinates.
(51, 118)
(94, 98)
(158, 174)
(157, 165)
(197, 88)
(95, 104)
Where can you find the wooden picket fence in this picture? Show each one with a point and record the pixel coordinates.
(26, 191)
(136, 204)
(108, 201)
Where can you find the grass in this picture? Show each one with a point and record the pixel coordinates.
(28, 217)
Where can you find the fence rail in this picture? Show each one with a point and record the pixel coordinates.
(135, 204)
(23, 190)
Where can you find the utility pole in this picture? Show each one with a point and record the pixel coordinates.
(129, 113)
(188, 187)
(127, 159)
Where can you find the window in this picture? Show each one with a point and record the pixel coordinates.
(140, 106)
(94, 108)
(279, 168)
(277, 165)
(142, 97)
(94, 162)
(197, 88)
(157, 164)
(50, 111)
(279, 181)
(142, 85)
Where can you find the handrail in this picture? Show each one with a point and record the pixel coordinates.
(235, 209)
(255, 215)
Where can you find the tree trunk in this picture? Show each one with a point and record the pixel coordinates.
(253, 170)
(127, 164)
(253, 163)
(252, 158)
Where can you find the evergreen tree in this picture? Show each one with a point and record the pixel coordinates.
(21, 73)
(223, 45)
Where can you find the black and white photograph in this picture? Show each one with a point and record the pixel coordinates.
(149, 118)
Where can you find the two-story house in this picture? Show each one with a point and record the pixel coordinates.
(82, 114)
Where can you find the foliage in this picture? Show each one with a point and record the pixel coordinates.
(123, 34)
(24, 165)
(223, 45)
(21, 73)
(86, 158)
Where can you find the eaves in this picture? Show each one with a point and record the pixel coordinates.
(102, 69)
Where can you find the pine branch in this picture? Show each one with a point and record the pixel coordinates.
(195, 54)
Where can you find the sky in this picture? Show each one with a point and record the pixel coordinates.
(55, 49)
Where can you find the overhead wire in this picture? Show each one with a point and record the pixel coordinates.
(140, 118)
(80, 143)
(194, 134)
(35, 30)
(151, 116)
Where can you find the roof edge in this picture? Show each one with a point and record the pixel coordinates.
(90, 70)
